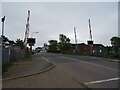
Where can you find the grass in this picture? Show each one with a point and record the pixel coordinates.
(113, 58)
(26, 59)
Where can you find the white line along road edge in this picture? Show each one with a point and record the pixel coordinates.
(102, 81)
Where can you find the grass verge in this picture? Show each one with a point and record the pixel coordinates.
(26, 59)
(113, 58)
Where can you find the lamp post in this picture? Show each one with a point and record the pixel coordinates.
(3, 19)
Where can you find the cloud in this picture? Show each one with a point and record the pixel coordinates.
(52, 19)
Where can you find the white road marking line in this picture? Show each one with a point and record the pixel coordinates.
(102, 81)
(91, 64)
(45, 59)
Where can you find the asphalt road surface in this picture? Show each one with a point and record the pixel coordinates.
(93, 72)
(72, 71)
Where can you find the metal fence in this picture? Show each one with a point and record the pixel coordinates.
(13, 53)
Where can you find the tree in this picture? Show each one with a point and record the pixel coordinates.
(19, 42)
(64, 44)
(108, 50)
(53, 45)
(115, 41)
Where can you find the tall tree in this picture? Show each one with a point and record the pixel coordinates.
(64, 44)
(115, 41)
(19, 42)
(53, 45)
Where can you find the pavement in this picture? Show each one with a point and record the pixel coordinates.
(20, 69)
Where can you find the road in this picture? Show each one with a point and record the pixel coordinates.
(91, 71)
(72, 71)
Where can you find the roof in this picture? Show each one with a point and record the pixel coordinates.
(98, 45)
(79, 44)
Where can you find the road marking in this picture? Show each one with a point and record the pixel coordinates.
(45, 59)
(91, 64)
(102, 81)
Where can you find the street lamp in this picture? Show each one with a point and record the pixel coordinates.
(3, 19)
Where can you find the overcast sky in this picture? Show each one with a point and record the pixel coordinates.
(52, 19)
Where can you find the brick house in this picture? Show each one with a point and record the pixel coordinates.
(81, 47)
(84, 48)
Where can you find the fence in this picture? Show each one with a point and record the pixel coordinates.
(13, 53)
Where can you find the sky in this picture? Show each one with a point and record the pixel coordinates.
(53, 18)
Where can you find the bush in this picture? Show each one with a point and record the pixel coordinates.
(85, 53)
(114, 55)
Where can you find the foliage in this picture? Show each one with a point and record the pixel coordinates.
(115, 41)
(108, 50)
(19, 42)
(27, 59)
(85, 53)
(114, 55)
(64, 44)
(53, 45)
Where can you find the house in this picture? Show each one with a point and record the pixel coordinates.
(81, 47)
(98, 46)
(97, 49)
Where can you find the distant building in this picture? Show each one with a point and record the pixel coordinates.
(97, 49)
(81, 47)
(98, 46)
